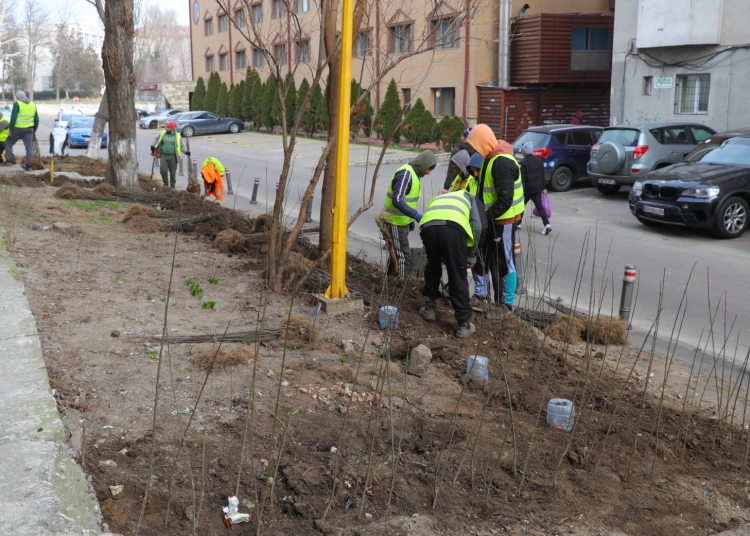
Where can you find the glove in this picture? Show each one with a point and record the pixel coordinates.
(418, 217)
(412, 226)
(153, 149)
(187, 153)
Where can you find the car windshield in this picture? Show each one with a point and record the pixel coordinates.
(732, 152)
(704, 148)
(87, 122)
(537, 139)
(627, 137)
(65, 117)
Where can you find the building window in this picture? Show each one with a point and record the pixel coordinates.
(400, 39)
(208, 27)
(406, 92)
(240, 59)
(302, 51)
(648, 85)
(445, 98)
(257, 13)
(223, 62)
(210, 64)
(223, 23)
(303, 6)
(279, 9)
(259, 60)
(445, 33)
(362, 44)
(279, 54)
(691, 94)
(239, 18)
(591, 49)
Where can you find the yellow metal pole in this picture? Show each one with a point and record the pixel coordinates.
(341, 200)
(52, 171)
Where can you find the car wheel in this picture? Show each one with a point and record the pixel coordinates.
(731, 218)
(152, 124)
(561, 180)
(234, 128)
(188, 132)
(646, 222)
(608, 189)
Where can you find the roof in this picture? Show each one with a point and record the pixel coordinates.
(561, 126)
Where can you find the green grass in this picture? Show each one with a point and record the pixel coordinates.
(208, 304)
(98, 204)
(213, 280)
(103, 219)
(195, 288)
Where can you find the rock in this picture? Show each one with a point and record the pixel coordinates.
(64, 228)
(116, 490)
(599, 355)
(368, 515)
(419, 360)
(323, 526)
(349, 346)
(114, 333)
(412, 481)
(189, 513)
(107, 463)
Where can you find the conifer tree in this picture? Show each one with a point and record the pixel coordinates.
(212, 92)
(361, 116)
(307, 122)
(269, 98)
(321, 110)
(258, 98)
(290, 101)
(251, 77)
(235, 100)
(222, 102)
(199, 94)
(387, 117)
(419, 124)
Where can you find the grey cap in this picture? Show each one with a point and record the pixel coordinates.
(20, 95)
(527, 148)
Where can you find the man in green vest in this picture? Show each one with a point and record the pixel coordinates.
(169, 148)
(400, 210)
(4, 132)
(449, 227)
(501, 191)
(24, 120)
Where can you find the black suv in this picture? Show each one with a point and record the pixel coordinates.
(710, 189)
(565, 149)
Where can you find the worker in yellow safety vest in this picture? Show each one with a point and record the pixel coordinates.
(24, 120)
(169, 148)
(501, 191)
(449, 228)
(4, 132)
(212, 172)
(400, 211)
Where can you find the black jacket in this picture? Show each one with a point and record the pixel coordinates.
(463, 146)
(504, 174)
(532, 174)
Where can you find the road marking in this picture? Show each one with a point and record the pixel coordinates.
(230, 141)
(246, 146)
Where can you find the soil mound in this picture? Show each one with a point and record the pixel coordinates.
(22, 180)
(104, 189)
(137, 210)
(193, 188)
(238, 355)
(606, 330)
(147, 225)
(567, 328)
(68, 191)
(230, 241)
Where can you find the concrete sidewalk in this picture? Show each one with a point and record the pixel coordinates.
(42, 489)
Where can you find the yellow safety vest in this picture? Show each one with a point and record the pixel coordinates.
(490, 192)
(470, 184)
(391, 213)
(4, 134)
(454, 207)
(218, 165)
(177, 143)
(26, 113)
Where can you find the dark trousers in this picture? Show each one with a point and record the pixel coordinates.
(400, 236)
(446, 244)
(168, 165)
(498, 254)
(537, 200)
(25, 134)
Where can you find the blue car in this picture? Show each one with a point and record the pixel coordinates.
(79, 132)
(565, 149)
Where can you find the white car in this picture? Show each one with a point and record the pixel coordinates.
(64, 116)
(152, 120)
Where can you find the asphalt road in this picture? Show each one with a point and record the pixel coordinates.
(582, 261)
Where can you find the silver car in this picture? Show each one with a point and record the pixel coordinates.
(152, 120)
(625, 153)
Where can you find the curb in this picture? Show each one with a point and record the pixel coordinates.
(441, 157)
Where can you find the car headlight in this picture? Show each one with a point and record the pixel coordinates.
(637, 188)
(702, 193)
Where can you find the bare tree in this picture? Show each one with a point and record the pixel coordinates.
(274, 40)
(36, 37)
(10, 49)
(162, 42)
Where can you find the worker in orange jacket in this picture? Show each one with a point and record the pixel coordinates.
(212, 172)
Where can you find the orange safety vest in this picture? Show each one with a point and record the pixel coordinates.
(212, 181)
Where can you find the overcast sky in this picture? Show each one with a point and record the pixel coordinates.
(82, 12)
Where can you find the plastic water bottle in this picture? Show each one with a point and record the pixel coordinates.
(477, 366)
(388, 317)
(561, 414)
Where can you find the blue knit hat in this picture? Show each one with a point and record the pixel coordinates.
(466, 132)
(475, 161)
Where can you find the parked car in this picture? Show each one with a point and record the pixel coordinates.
(627, 152)
(64, 116)
(710, 189)
(79, 132)
(194, 123)
(141, 113)
(565, 149)
(151, 121)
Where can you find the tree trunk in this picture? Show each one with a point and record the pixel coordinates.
(100, 121)
(119, 76)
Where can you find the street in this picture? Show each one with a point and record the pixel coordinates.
(586, 225)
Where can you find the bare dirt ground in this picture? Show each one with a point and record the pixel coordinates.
(351, 444)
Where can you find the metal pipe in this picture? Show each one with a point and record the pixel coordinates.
(254, 200)
(628, 280)
(518, 262)
(503, 56)
(195, 168)
(228, 176)
(308, 211)
(180, 171)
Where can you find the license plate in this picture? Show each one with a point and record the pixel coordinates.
(654, 210)
(606, 181)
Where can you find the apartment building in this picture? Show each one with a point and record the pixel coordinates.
(461, 39)
(681, 61)
(87, 35)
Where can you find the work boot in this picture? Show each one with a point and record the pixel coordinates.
(478, 301)
(28, 167)
(428, 311)
(465, 330)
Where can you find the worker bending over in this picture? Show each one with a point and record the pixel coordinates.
(212, 172)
